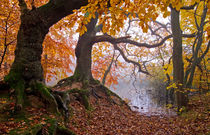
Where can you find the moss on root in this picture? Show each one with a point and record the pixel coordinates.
(84, 96)
(19, 89)
(51, 126)
(46, 95)
(80, 91)
(16, 82)
(86, 102)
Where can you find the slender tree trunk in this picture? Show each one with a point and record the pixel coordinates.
(178, 65)
(108, 69)
(196, 59)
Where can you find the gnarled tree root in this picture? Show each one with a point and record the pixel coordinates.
(83, 95)
(46, 95)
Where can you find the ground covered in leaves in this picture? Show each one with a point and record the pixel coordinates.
(110, 119)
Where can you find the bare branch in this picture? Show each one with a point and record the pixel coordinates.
(130, 61)
(205, 52)
(129, 25)
(4, 53)
(153, 32)
(162, 25)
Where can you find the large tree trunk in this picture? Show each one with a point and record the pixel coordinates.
(178, 65)
(28, 51)
(83, 53)
(26, 71)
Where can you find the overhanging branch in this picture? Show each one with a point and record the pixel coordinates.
(112, 40)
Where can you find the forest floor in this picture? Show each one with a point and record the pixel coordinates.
(111, 119)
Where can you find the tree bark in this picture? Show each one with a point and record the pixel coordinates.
(28, 51)
(83, 52)
(34, 26)
(26, 71)
(178, 65)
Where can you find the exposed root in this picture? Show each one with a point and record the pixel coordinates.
(94, 93)
(14, 80)
(63, 101)
(19, 89)
(83, 96)
(92, 87)
(47, 96)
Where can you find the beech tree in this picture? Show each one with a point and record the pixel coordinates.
(26, 71)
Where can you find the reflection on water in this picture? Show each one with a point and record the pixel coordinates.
(142, 98)
(144, 104)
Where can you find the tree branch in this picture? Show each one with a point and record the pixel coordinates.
(130, 61)
(205, 52)
(4, 53)
(191, 7)
(110, 39)
(55, 10)
(162, 26)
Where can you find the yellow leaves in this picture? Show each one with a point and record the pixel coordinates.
(9, 17)
(127, 100)
(114, 2)
(145, 28)
(169, 106)
(166, 14)
(178, 6)
(2, 17)
(82, 30)
(173, 85)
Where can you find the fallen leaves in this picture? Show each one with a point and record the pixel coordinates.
(110, 119)
(113, 119)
